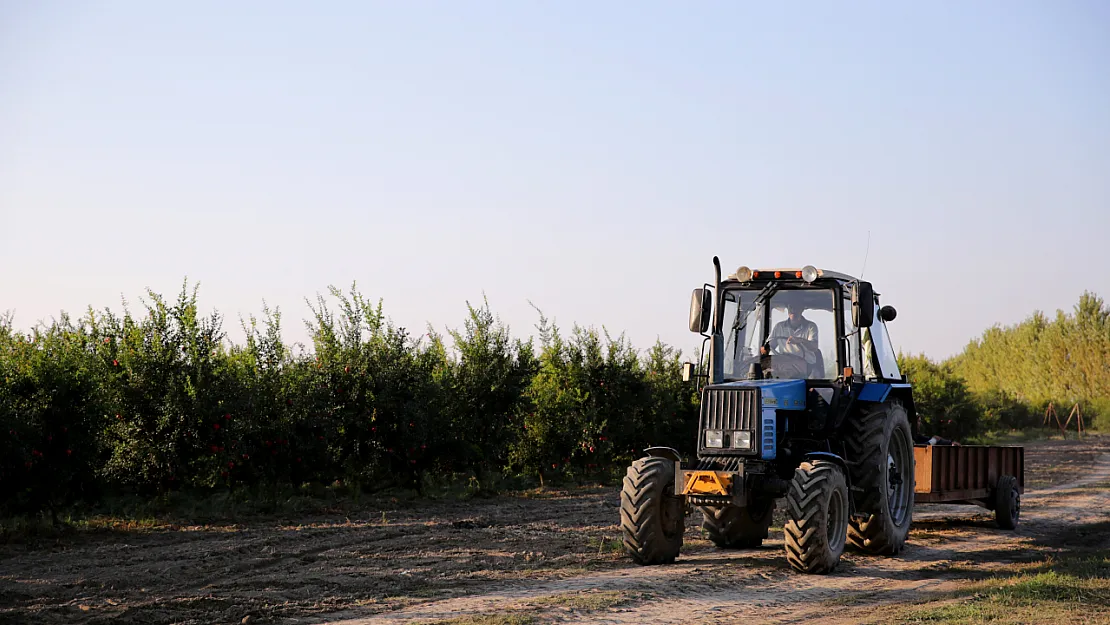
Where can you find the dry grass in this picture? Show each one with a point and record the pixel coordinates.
(1073, 590)
(589, 601)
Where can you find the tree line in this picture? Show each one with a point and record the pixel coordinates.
(1006, 378)
(160, 400)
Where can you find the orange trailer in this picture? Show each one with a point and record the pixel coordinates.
(984, 475)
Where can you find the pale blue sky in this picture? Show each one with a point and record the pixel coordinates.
(588, 156)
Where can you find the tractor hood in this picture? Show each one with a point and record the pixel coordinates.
(780, 394)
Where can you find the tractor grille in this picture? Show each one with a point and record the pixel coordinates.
(730, 409)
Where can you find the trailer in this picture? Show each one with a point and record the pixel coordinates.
(991, 476)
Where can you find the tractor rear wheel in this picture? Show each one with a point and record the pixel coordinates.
(881, 446)
(817, 517)
(1007, 502)
(652, 516)
(732, 527)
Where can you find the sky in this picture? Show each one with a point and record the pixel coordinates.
(587, 158)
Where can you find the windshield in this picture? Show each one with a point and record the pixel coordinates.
(790, 332)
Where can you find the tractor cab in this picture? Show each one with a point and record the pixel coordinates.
(793, 324)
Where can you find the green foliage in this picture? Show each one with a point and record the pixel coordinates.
(1098, 415)
(1017, 370)
(595, 404)
(51, 411)
(1004, 380)
(1004, 412)
(161, 401)
(486, 383)
(564, 430)
(944, 405)
(164, 386)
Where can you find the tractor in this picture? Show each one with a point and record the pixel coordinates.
(801, 402)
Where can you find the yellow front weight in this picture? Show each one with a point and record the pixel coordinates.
(707, 483)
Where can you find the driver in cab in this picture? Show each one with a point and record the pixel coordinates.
(796, 336)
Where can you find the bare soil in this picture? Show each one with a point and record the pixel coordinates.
(534, 557)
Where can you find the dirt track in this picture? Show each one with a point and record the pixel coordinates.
(553, 558)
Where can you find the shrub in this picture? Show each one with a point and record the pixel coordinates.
(168, 387)
(944, 405)
(50, 414)
(484, 396)
(1002, 411)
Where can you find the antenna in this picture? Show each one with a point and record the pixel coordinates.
(865, 252)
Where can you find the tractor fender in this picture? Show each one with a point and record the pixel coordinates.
(879, 392)
(831, 457)
(904, 393)
(664, 452)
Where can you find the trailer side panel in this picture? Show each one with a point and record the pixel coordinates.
(966, 473)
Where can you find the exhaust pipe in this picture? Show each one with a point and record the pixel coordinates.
(717, 343)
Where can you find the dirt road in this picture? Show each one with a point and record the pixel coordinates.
(550, 557)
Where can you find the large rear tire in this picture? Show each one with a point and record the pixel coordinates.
(880, 444)
(652, 516)
(817, 511)
(731, 527)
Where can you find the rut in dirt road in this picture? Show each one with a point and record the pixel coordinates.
(708, 585)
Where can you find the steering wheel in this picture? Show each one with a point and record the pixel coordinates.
(778, 347)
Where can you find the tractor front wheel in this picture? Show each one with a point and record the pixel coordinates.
(817, 511)
(652, 516)
(730, 527)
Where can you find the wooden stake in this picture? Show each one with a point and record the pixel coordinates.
(1051, 410)
(1077, 412)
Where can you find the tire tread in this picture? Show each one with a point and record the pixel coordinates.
(807, 545)
(643, 495)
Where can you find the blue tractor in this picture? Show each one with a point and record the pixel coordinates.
(802, 403)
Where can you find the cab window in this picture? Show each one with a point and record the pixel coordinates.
(884, 349)
(806, 315)
(880, 361)
(853, 339)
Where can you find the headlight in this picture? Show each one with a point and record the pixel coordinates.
(809, 273)
(741, 440)
(714, 438)
(744, 274)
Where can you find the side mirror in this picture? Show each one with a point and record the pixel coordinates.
(701, 306)
(863, 305)
(687, 371)
(887, 313)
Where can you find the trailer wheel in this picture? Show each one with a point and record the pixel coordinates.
(1007, 502)
(652, 516)
(880, 444)
(732, 527)
(817, 517)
